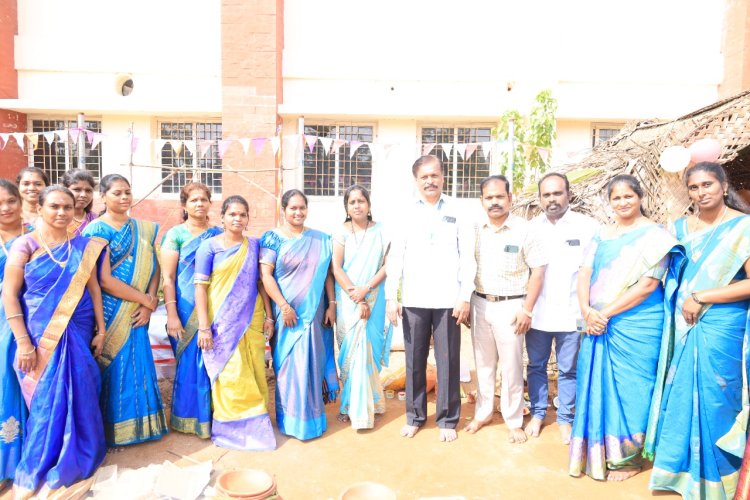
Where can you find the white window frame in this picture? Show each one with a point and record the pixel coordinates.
(596, 129)
(68, 147)
(195, 167)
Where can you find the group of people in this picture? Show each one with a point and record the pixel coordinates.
(648, 323)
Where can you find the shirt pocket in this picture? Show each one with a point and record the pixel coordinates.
(511, 257)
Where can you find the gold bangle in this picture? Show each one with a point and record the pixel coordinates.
(170, 302)
(269, 320)
(19, 315)
(27, 354)
(16, 339)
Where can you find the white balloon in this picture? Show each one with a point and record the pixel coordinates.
(674, 158)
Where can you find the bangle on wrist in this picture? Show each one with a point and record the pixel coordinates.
(208, 329)
(19, 315)
(16, 339)
(269, 320)
(170, 302)
(527, 313)
(698, 301)
(27, 354)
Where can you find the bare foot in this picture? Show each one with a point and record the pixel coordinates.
(475, 425)
(534, 427)
(4, 484)
(408, 431)
(622, 474)
(517, 436)
(21, 493)
(565, 430)
(448, 435)
(342, 417)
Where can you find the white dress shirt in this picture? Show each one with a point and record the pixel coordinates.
(432, 254)
(557, 309)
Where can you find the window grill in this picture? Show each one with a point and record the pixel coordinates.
(463, 174)
(330, 174)
(193, 163)
(61, 154)
(603, 132)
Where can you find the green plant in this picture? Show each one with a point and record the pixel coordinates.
(533, 136)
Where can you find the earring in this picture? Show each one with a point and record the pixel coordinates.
(348, 218)
(726, 193)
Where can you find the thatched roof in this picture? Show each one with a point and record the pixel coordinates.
(636, 151)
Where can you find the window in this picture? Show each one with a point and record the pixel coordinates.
(205, 137)
(330, 174)
(62, 153)
(602, 132)
(462, 174)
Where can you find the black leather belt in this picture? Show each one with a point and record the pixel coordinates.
(497, 298)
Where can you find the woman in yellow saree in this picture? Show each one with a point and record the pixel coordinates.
(232, 329)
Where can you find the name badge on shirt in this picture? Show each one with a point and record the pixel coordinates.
(448, 218)
(511, 249)
(574, 243)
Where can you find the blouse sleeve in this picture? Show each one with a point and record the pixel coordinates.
(270, 243)
(21, 251)
(172, 240)
(659, 270)
(204, 263)
(590, 252)
(339, 236)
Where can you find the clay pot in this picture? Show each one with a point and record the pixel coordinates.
(245, 484)
(368, 491)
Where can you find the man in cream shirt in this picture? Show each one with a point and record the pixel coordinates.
(567, 234)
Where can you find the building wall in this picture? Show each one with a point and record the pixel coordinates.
(12, 159)
(8, 28)
(736, 48)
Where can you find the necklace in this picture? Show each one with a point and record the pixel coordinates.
(354, 233)
(698, 253)
(49, 252)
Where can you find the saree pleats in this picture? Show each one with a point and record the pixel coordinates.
(130, 401)
(191, 392)
(65, 439)
(700, 408)
(616, 370)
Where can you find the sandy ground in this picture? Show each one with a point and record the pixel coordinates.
(477, 466)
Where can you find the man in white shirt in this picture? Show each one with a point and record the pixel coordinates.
(510, 272)
(432, 256)
(567, 235)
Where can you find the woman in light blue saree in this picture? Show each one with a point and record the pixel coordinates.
(191, 392)
(359, 252)
(698, 424)
(295, 267)
(12, 408)
(130, 400)
(53, 304)
(622, 300)
(232, 311)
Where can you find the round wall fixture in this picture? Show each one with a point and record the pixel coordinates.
(124, 84)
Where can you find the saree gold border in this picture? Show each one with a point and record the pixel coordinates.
(190, 328)
(684, 484)
(64, 311)
(119, 330)
(134, 430)
(191, 426)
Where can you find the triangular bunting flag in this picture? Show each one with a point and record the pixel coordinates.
(327, 142)
(427, 148)
(74, 133)
(33, 139)
(275, 143)
(96, 138)
(49, 136)
(3, 140)
(223, 146)
(245, 142)
(18, 136)
(90, 136)
(487, 149)
(470, 148)
(160, 143)
(543, 153)
(311, 140)
(337, 143)
(353, 147)
(461, 150)
(176, 146)
(61, 134)
(190, 145)
(204, 146)
(447, 148)
(258, 144)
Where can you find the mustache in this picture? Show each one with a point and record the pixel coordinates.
(492, 207)
(430, 185)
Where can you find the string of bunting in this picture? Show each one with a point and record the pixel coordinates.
(328, 145)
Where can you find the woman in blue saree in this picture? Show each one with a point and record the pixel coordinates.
(359, 252)
(698, 424)
(295, 267)
(31, 181)
(130, 400)
(191, 393)
(622, 300)
(53, 304)
(12, 408)
(232, 312)
(82, 184)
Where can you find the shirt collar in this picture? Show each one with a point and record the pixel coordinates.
(508, 224)
(420, 201)
(565, 219)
